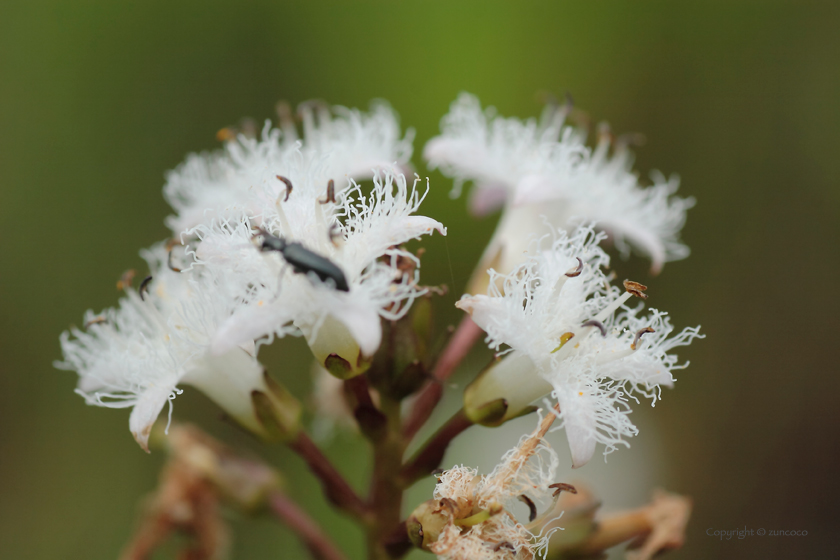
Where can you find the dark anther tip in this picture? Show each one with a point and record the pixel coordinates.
(562, 487)
(595, 323)
(531, 506)
(638, 336)
(144, 287)
(288, 184)
(577, 270)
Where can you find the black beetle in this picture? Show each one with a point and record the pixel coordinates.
(303, 260)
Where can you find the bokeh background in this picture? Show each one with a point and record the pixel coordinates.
(99, 98)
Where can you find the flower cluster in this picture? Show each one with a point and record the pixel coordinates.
(272, 236)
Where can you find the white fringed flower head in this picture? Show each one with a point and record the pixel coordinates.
(471, 515)
(545, 169)
(570, 333)
(338, 143)
(358, 233)
(136, 355)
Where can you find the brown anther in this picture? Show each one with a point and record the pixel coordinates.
(420, 252)
(596, 323)
(248, 127)
(570, 101)
(449, 504)
(96, 321)
(144, 287)
(405, 265)
(504, 544)
(635, 139)
(169, 246)
(531, 506)
(547, 98)
(605, 132)
(639, 336)
(284, 111)
(577, 270)
(288, 186)
(125, 280)
(226, 134)
(330, 193)
(334, 233)
(317, 104)
(562, 487)
(635, 288)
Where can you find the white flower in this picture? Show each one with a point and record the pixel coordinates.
(348, 145)
(357, 232)
(138, 354)
(545, 169)
(557, 314)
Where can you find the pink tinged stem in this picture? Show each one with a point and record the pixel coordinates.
(336, 488)
(305, 527)
(429, 457)
(459, 346)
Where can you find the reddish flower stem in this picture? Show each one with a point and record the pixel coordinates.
(304, 527)
(459, 345)
(429, 457)
(336, 488)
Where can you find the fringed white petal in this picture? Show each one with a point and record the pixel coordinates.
(147, 407)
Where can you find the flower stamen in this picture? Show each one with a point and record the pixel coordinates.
(144, 287)
(288, 184)
(531, 506)
(564, 338)
(596, 323)
(639, 336)
(330, 193)
(169, 246)
(96, 321)
(125, 280)
(562, 487)
(504, 544)
(635, 288)
(577, 270)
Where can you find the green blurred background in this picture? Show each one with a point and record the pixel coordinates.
(99, 98)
